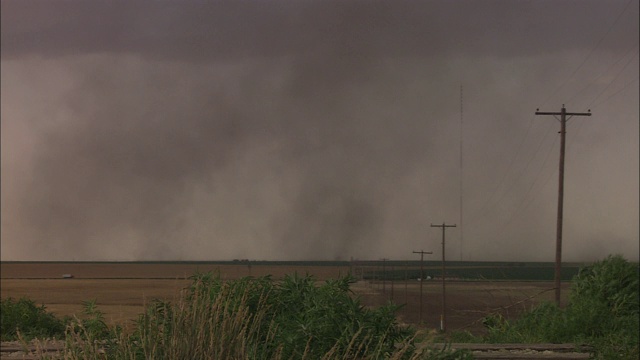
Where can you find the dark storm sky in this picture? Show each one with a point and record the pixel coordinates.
(189, 130)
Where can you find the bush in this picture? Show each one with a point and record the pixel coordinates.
(260, 318)
(30, 320)
(602, 312)
(612, 282)
(242, 319)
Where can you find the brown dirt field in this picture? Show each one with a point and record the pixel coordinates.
(159, 271)
(467, 301)
(121, 300)
(122, 290)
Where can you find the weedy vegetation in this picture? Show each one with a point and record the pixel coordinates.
(30, 320)
(602, 312)
(299, 318)
(252, 318)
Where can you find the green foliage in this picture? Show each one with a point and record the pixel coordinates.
(291, 318)
(250, 318)
(92, 322)
(30, 320)
(602, 312)
(328, 316)
(612, 283)
(463, 336)
(257, 318)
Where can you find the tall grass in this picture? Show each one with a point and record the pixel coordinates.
(256, 319)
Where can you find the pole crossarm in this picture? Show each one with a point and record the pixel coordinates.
(559, 113)
(443, 225)
(563, 131)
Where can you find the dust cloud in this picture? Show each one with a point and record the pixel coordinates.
(308, 131)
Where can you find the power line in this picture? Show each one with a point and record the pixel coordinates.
(504, 176)
(579, 127)
(600, 76)
(537, 177)
(612, 81)
(489, 203)
(590, 53)
(526, 199)
(618, 17)
(522, 172)
(616, 93)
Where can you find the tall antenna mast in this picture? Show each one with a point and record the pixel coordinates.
(461, 173)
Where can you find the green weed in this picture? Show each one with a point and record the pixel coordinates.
(258, 318)
(30, 320)
(602, 312)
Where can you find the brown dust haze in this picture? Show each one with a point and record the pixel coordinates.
(316, 130)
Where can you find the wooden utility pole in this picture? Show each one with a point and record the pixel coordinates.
(406, 281)
(563, 127)
(443, 316)
(421, 275)
(393, 271)
(384, 275)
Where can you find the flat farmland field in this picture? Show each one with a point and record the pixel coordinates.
(467, 302)
(121, 290)
(178, 270)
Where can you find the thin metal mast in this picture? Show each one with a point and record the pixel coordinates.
(461, 172)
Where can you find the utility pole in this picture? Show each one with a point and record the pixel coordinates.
(393, 271)
(443, 316)
(421, 275)
(563, 127)
(384, 275)
(406, 281)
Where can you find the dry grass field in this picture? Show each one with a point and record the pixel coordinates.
(122, 290)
